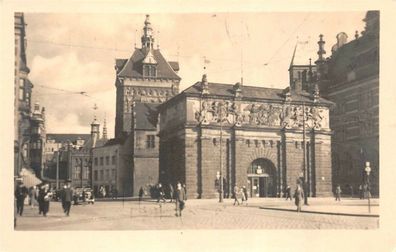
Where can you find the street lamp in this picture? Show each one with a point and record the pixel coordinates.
(220, 109)
(367, 169)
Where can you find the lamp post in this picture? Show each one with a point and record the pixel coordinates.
(220, 107)
(367, 169)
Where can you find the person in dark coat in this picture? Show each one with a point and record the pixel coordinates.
(20, 194)
(180, 199)
(67, 198)
(63, 198)
(299, 197)
(141, 192)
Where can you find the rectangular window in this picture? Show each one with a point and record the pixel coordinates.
(113, 173)
(95, 175)
(150, 141)
(101, 161)
(107, 174)
(113, 160)
(107, 160)
(21, 89)
(101, 175)
(96, 161)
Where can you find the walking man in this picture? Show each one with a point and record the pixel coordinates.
(236, 192)
(67, 198)
(20, 194)
(141, 192)
(338, 193)
(299, 196)
(180, 199)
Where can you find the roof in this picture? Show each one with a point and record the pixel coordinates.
(251, 92)
(99, 142)
(174, 65)
(146, 115)
(346, 58)
(115, 141)
(133, 66)
(62, 138)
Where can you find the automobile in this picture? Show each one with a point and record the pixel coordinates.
(83, 195)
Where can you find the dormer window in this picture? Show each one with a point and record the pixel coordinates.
(149, 71)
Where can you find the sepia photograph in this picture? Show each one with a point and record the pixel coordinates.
(196, 124)
(169, 121)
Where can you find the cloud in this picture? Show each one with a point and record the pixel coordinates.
(59, 82)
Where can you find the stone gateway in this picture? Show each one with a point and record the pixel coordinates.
(249, 136)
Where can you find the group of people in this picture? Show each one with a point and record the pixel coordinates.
(240, 193)
(179, 196)
(41, 195)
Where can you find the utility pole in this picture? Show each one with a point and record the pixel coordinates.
(221, 152)
(305, 161)
(57, 170)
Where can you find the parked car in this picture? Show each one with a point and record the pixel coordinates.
(83, 195)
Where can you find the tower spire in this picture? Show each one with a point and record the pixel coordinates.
(147, 38)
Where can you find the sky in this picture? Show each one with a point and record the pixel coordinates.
(73, 53)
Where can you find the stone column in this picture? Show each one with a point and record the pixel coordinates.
(322, 164)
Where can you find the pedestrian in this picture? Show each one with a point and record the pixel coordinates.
(171, 192)
(242, 195)
(361, 192)
(298, 196)
(141, 192)
(63, 198)
(45, 196)
(33, 196)
(288, 193)
(160, 191)
(338, 193)
(245, 192)
(20, 194)
(236, 192)
(180, 199)
(67, 197)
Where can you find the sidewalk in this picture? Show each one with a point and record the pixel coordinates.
(347, 206)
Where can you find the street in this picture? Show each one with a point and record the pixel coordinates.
(260, 213)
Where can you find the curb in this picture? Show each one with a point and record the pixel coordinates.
(319, 212)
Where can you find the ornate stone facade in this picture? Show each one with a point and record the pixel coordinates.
(256, 142)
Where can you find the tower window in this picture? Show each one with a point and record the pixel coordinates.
(150, 142)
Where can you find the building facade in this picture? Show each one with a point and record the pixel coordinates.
(143, 81)
(350, 78)
(250, 136)
(22, 99)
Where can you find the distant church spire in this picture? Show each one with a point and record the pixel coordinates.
(147, 38)
(104, 129)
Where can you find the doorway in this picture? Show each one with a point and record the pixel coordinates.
(262, 178)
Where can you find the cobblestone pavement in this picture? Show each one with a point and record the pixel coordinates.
(203, 214)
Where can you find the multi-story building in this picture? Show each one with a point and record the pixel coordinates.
(37, 140)
(261, 138)
(22, 100)
(350, 78)
(143, 81)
